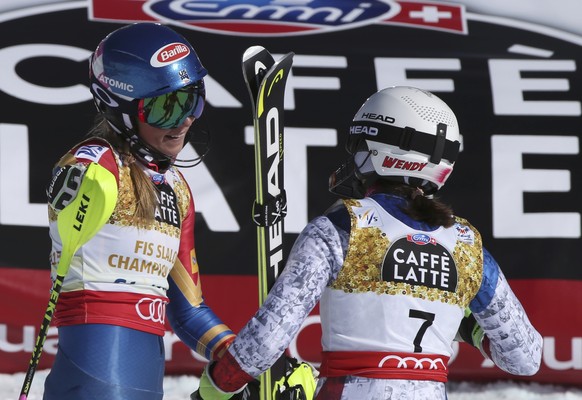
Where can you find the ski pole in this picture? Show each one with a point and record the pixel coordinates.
(77, 223)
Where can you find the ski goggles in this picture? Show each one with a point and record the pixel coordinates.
(170, 110)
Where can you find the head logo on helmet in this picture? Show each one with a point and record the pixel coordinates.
(365, 130)
(374, 116)
(169, 54)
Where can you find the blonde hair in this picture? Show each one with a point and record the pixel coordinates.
(143, 188)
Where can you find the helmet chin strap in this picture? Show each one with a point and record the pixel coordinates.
(192, 162)
(153, 157)
(146, 154)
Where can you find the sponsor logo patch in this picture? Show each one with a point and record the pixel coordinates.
(465, 234)
(410, 261)
(168, 54)
(286, 17)
(421, 239)
(367, 217)
(92, 152)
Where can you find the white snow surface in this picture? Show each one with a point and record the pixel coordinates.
(180, 387)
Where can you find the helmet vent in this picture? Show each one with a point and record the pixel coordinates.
(431, 114)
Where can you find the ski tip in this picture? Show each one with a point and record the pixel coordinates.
(289, 55)
(251, 51)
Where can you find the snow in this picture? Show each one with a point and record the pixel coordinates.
(180, 387)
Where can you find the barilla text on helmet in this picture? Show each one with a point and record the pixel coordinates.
(169, 54)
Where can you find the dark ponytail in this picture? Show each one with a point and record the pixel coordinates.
(422, 208)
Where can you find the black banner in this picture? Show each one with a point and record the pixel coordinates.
(514, 86)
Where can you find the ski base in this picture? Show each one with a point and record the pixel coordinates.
(265, 79)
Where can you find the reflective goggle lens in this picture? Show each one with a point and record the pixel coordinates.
(171, 110)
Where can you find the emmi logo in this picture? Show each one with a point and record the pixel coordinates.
(271, 17)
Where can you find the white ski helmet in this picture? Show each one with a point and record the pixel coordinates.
(406, 134)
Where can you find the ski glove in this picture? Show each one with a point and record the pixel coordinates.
(64, 185)
(208, 389)
(299, 382)
(471, 332)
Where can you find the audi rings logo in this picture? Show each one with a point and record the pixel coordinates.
(415, 363)
(152, 309)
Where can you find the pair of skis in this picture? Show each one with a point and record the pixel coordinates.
(265, 79)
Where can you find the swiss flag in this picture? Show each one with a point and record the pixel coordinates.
(432, 15)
